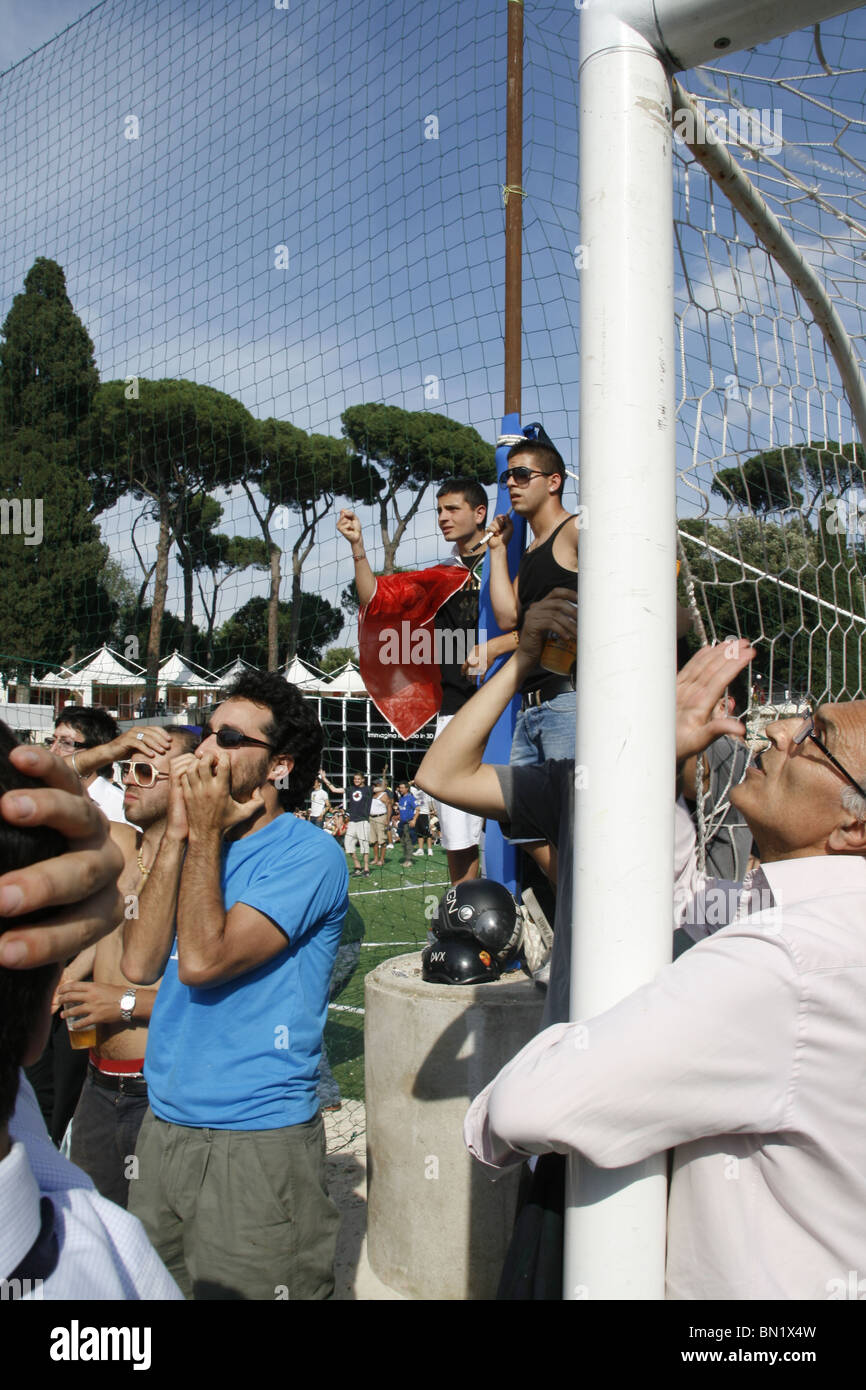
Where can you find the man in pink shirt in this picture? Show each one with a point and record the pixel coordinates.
(746, 1055)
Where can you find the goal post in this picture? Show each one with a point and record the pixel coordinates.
(615, 1220)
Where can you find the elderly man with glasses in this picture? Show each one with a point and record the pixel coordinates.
(745, 1056)
(241, 912)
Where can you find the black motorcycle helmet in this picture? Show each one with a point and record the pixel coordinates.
(458, 961)
(484, 910)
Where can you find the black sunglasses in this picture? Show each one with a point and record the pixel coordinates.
(233, 738)
(521, 474)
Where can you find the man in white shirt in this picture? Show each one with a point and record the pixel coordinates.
(745, 1056)
(319, 803)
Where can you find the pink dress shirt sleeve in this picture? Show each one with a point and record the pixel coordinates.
(708, 1047)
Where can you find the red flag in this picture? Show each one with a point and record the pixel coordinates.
(396, 647)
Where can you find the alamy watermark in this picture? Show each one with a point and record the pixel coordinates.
(846, 516)
(744, 125)
(419, 646)
(22, 518)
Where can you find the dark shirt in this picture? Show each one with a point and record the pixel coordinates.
(358, 802)
(539, 572)
(455, 634)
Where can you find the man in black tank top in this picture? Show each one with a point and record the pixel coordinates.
(545, 726)
(535, 478)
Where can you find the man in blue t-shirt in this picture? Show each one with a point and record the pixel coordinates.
(242, 909)
(408, 810)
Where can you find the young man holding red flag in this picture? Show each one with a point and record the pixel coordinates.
(416, 631)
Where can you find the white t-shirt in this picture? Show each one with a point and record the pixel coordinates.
(318, 802)
(108, 797)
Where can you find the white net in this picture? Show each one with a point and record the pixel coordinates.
(771, 495)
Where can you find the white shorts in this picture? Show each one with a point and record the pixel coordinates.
(458, 829)
(357, 833)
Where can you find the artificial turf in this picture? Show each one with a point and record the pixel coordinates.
(394, 905)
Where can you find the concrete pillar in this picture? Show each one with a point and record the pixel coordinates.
(437, 1227)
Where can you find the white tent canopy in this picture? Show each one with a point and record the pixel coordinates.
(346, 681)
(103, 669)
(305, 678)
(177, 671)
(237, 668)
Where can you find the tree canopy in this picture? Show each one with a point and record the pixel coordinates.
(403, 452)
(245, 634)
(54, 581)
(162, 441)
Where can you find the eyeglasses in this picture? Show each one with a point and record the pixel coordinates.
(808, 731)
(233, 738)
(68, 743)
(143, 774)
(521, 475)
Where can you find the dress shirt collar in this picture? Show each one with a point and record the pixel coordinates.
(796, 881)
(19, 1204)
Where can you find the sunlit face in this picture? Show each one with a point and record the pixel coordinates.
(458, 520)
(143, 806)
(250, 766)
(527, 497)
(791, 796)
(66, 741)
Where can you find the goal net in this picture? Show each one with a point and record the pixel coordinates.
(770, 325)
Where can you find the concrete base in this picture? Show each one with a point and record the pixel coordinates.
(437, 1227)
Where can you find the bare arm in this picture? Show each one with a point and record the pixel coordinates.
(503, 590)
(147, 938)
(213, 945)
(91, 1003)
(153, 739)
(349, 526)
(453, 769)
(482, 656)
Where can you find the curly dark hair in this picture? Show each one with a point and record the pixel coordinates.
(293, 729)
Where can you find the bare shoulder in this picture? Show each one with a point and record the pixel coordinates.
(565, 544)
(124, 836)
(126, 839)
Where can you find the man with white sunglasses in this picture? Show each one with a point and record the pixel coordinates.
(95, 993)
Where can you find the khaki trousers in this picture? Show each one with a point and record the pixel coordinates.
(238, 1213)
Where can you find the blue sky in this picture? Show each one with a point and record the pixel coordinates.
(308, 128)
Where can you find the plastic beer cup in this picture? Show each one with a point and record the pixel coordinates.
(558, 653)
(79, 1038)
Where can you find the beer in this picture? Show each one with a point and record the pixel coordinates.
(79, 1038)
(558, 654)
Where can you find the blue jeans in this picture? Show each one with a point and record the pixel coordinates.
(545, 731)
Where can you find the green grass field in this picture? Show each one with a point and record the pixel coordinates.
(392, 904)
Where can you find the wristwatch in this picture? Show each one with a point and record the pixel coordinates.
(127, 1004)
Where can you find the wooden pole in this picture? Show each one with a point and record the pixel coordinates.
(514, 208)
